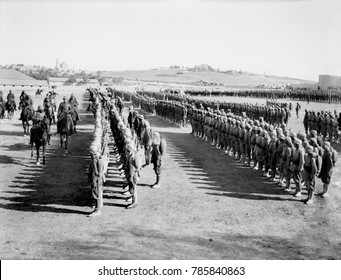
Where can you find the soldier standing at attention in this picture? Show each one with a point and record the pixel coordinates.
(310, 173)
(96, 176)
(329, 159)
(158, 150)
(297, 165)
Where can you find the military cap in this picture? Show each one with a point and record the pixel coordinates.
(313, 133)
(281, 137)
(309, 149)
(288, 140)
(298, 142)
(313, 141)
(326, 143)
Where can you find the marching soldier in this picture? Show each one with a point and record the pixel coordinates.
(158, 150)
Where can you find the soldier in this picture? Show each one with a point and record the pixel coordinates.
(279, 155)
(38, 116)
(158, 150)
(272, 154)
(146, 141)
(264, 159)
(133, 167)
(328, 163)
(310, 173)
(64, 107)
(10, 95)
(297, 166)
(73, 101)
(96, 176)
(286, 161)
(305, 121)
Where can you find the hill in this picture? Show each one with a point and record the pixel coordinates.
(230, 79)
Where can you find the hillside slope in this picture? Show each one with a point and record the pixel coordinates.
(198, 78)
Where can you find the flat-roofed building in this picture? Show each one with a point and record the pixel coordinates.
(13, 78)
(329, 82)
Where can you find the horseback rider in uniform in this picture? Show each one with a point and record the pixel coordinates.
(37, 119)
(63, 109)
(10, 95)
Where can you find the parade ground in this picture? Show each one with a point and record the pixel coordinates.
(208, 206)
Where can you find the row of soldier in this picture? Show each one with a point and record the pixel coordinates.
(326, 123)
(249, 140)
(180, 111)
(330, 96)
(273, 152)
(135, 142)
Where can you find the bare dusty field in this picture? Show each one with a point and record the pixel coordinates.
(208, 206)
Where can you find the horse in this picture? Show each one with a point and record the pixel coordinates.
(49, 111)
(40, 137)
(2, 110)
(66, 127)
(11, 106)
(26, 116)
(39, 92)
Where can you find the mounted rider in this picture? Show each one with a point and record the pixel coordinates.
(10, 96)
(63, 109)
(74, 106)
(73, 101)
(38, 116)
(47, 101)
(37, 119)
(26, 102)
(2, 101)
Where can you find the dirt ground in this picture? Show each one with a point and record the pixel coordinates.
(208, 207)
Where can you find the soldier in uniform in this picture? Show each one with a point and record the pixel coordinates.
(297, 166)
(310, 173)
(158, 150)
(146, 141)
(96, 176)
(328, 163)
(133, 166)
(10, 95)
(287, 158)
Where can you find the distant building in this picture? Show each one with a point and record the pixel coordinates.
(329, 82)
(13, 78)
(61, 65)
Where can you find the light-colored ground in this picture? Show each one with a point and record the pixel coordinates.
(209, 206)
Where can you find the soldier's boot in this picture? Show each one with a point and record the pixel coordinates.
(309, 199)
(97, 210)
(157, 184)
(134, 200)
(325, 193)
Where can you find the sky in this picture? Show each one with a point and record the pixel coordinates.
(292, 38)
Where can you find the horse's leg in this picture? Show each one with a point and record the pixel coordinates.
(66, 141)
(24, 127)
(37, 148)
(61, 139)
(44, 153)
(32, 150)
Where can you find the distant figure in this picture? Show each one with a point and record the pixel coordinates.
(298, 107)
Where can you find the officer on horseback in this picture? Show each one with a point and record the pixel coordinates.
(10, 96)
(64, 107)
(39, 116)
(73, 101)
